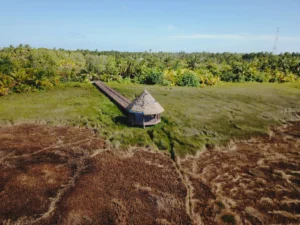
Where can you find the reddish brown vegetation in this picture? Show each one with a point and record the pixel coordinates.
(252, 182)
(37, 164)
(60, 175)
(136, 187)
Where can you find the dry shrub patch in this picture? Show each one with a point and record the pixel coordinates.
(122, 188)
(63, 175)
(36, 163)
(254, 181)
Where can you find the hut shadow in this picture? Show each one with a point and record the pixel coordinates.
(121, 120)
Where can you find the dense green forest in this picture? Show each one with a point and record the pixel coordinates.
(24, 69)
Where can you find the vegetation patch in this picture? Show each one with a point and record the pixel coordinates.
(26, 69)
(38, 165)
(228, 219)
(194, 118)
(199, 117)
(69, 176)
(251, 181)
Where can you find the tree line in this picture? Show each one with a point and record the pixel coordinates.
(24, 69)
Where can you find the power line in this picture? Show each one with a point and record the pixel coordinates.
(274, 50)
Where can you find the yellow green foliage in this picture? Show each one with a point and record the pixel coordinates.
(6, 83)
(175, 77)
(3, 91)
(206, 77)
(171, 76)
(31, 69)
(285, 77)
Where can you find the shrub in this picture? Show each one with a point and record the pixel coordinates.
(153, 77)
(261, 77)
(206, 77)
(126, 80)
(139, 78)
(229, 219)
(166, 83)
(104, 77)
(6, 84)
(23, 88)
(289, 77)
(169, 78)
(3, 91)
(190, 79)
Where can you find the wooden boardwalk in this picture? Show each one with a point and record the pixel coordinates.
(113, 95)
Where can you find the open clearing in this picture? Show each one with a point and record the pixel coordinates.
(63, 175)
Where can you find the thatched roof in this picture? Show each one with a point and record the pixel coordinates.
(145, 104)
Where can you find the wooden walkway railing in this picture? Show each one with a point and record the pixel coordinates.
(113, 95)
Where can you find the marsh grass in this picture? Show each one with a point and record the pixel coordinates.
(198, 117)
(193, 117)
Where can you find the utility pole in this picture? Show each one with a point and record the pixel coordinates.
(274, 50)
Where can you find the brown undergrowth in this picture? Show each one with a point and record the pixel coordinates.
(249, 182)
(64, 175)
(60, 175)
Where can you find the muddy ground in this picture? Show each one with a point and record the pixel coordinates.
(64, 175)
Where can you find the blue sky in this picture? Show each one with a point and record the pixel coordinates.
(165, 25)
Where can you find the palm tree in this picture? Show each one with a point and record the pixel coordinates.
(192, 62)
(19, 76)
(5, 65)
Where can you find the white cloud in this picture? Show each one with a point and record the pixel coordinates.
(235, 37)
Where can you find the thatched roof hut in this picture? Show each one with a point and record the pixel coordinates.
(144, 110)
(145, 104)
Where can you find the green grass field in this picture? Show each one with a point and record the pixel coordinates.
(193, 117)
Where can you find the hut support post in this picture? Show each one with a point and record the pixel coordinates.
(143, 121)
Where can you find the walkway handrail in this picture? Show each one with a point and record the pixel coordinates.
(122, 101)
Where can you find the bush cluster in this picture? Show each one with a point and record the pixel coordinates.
(24, 69)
